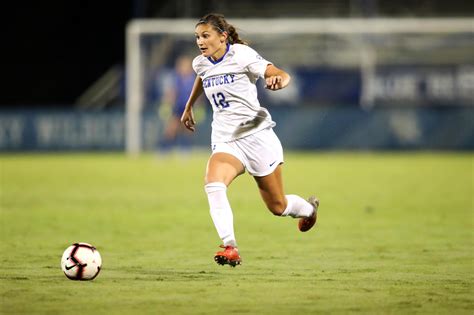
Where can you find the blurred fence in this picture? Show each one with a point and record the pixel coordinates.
(435, 128)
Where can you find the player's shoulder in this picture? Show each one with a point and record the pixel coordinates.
(199, 63)
(245, 54)
(241, 48)
(198, 60)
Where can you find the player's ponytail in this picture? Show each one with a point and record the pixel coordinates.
(234, 36)
(218, 22)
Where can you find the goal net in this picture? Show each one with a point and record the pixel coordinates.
(364, 63)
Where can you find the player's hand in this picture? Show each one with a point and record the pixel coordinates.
(188, 119)
(274, 82)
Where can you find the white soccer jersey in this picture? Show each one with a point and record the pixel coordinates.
(229, 84)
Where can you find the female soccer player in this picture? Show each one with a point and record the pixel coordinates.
(242, 135)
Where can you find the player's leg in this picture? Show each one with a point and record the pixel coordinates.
(169, 134)
(271, 190)
(171, 128)
(222, 169)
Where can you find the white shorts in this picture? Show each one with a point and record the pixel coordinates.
(260, 153)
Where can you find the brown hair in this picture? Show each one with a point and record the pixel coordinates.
(218, 22)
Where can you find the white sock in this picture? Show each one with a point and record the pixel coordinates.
(221, 212)
(297, 207)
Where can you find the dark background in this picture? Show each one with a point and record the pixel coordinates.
(54, 50)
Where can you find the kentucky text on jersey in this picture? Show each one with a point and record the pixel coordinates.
(218, 80)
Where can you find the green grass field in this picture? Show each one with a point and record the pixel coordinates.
(395, 236)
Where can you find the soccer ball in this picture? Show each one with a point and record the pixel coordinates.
(81, 261)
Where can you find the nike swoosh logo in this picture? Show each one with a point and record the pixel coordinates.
(70, 267)
(271, 164)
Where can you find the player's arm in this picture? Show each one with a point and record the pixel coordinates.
(188, 117)
(275, 78)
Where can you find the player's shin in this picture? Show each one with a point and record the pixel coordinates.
(221, 212)
(297, 207)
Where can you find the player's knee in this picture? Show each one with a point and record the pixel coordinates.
(277, 207)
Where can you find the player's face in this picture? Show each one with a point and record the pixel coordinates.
(211, 43)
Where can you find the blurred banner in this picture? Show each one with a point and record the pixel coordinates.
(407, 85)
(61, 130)
(386, 79)
(302, 128)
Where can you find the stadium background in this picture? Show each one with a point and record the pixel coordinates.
(62, 53)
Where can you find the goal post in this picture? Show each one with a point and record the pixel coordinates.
(362, 43)
(134, 71)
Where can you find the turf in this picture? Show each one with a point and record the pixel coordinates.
(394, 236)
